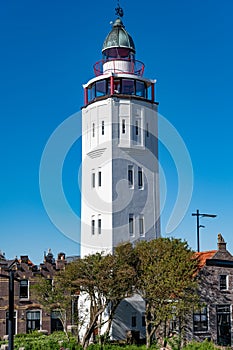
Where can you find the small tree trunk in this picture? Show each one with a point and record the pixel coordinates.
(90, 329)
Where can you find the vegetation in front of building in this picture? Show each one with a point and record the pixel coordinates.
(59, 341)
(162, 271)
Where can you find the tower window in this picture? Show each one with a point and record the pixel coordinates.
(93, 226)
(141, 226)
(99, 178)
(130, 175)
(140, 178)
(123, 126)
(131, 225)
(136, 128)
(147, 129)
(93, 180)
(140, 89)
(128, 87)
(102, 127)
(93, 130)
(99, 226)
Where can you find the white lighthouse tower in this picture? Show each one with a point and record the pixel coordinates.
(120, 177)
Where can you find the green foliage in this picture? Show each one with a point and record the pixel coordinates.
(166, 271)
(37, 341)
(205, 345)
(162, 271)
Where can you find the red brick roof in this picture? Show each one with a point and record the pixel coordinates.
(203, 256)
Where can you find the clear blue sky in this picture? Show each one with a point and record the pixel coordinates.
(48, 49)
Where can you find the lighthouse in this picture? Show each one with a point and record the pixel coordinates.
(120, 172)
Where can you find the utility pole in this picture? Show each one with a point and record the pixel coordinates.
(198, 215)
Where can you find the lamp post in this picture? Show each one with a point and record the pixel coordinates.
(198, 215)
(11, 279)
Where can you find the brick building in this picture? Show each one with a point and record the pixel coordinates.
(28, 314)
(214, 320)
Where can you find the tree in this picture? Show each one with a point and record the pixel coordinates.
(166, 271)
(55, 295)
(104, 281)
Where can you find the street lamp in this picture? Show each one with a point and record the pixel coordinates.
(197, 214)
(11, 279)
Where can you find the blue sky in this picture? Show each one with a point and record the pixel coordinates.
(48, 49)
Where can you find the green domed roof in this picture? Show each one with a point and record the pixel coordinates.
(118, 37)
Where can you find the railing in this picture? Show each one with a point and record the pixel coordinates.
(119, 65)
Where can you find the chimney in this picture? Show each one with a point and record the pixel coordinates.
(221, 243)
(24, 259)
(61, 261)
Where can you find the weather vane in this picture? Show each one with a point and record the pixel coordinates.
(118, 10)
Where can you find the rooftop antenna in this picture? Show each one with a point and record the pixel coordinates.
(118, 10)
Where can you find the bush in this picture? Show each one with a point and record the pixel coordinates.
(205, 345)
(38, 341)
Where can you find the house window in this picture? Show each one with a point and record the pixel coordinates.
(200, 320)
(141, 226)
(99, 226)
(123, 126)
(56, 324)
(93, 226)
(131, 224)
(102, 127)
(93, 130)
(99, 178)
(33, 321)
(223, 282)
(133, 321)
(93, 180)
(140, 178)
(130, 175)
(23, 289)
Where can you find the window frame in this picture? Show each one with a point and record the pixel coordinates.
(140, 178)
(202, 325)
(93, 226)
(33, 320)
(131, 225)
(136, 127)
(99, 178)
(141, 226)
(123, 126)
(99, 226)
(130, 176)
(24, 296)
(223, 284)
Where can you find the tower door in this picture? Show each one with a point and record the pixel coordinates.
(223, 325)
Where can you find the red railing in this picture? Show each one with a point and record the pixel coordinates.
(133, 67)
